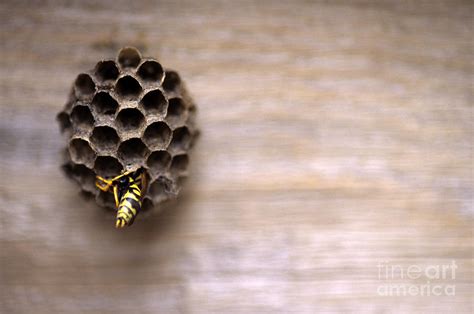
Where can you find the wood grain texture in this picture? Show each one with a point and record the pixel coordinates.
(335, 136)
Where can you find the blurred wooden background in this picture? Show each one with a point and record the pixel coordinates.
(336, 135)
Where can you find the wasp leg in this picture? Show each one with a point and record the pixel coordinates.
(144, 184)
(119, 176)
(116, 196)
(108, 183)
(98, 183)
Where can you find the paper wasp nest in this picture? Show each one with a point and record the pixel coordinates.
(126, 114)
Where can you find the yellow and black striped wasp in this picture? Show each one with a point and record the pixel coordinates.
(129, 189)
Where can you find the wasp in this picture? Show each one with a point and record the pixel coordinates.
(129, 189)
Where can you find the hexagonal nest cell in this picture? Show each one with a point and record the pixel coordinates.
(104, 139)
(130, 119)
(133, 152)
(126, 114)
(104, 104)
(84, 85)
(81, 117)
(106, 71)
(157, 135)
(151, 71)
(154, 103)
(128, 87)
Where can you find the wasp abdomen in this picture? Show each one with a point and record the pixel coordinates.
(129, 206)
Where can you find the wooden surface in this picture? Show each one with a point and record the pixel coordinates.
(335, 136)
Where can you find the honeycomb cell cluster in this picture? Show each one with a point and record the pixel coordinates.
(127, 114)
